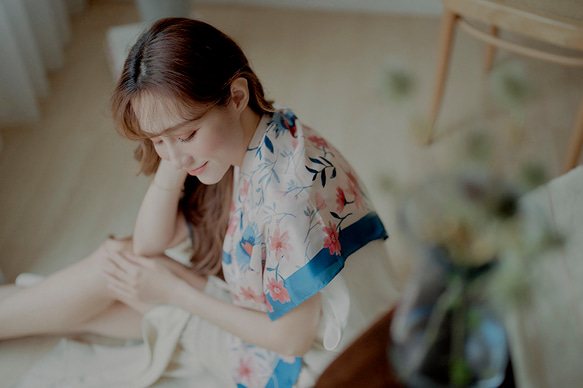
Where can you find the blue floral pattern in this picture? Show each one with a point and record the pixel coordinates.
(298, 212)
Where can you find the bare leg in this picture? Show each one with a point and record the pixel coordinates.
(8, 289)
(74, 299)
(117, 321)
(66, 298)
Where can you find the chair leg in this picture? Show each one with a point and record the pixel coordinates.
(490, 50)
(576, 142)
(448, 23)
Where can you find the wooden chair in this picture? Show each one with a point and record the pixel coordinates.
(558, 22)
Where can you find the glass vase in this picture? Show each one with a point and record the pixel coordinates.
(445, 333)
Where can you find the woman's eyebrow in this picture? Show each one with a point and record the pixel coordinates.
(183, 123)
(178, 126)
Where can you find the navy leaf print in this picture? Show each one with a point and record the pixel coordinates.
(326, 160)
(268, 144)
(316, 161)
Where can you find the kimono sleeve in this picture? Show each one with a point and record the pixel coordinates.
(307, 247)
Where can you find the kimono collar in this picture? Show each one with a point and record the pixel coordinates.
(256, 140)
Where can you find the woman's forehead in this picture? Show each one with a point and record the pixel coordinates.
(156, 113)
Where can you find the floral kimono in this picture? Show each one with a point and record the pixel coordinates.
(298, 212)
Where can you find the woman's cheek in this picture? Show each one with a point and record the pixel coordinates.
(161, 153)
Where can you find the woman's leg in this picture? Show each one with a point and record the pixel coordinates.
(74, 297)
(117, 321)
(71, 296)
(9, 289)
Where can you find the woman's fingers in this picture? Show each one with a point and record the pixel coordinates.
(121, 290)
(110, 268)
(123, 263)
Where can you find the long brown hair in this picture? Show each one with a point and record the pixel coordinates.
(193, 63)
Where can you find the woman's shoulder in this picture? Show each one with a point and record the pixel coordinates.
(290, 166)
(301, 150)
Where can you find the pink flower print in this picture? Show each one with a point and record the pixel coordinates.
(248, 248)
(267, 304)
(249, 294)
(354, 190)
(232, 226)
(320, 202)
(294, 144)
(245, 370)
(340, 199)
(318, 141)
(278, 291)
(280, 194)
(279, 244)
(244, 189)
(331, 241)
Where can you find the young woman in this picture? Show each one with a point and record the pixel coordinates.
(287, 262)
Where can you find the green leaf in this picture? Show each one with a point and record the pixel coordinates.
(460, 373)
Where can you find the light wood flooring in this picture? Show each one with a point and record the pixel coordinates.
(68, 181)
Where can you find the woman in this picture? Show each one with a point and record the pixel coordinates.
(271, 209)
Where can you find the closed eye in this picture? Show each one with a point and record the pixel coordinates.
(188, 138)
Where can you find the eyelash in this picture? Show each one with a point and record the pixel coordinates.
(187, 140)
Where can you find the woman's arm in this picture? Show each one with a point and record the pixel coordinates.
(292, 334)
(136, 279)
(160, 224)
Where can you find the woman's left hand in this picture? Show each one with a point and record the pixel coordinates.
(139, 279)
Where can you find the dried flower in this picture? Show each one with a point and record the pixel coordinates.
(476, 217)
(399, 82)
(509, 85)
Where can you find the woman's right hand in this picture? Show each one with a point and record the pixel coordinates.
(160, 223)
(168, 177)
(137, 280)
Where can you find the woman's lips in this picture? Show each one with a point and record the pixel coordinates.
(198, 171)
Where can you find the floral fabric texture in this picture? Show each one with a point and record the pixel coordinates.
(298, 212)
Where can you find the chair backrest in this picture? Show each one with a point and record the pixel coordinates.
(559, 22)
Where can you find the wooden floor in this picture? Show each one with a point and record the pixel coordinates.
(68, 181)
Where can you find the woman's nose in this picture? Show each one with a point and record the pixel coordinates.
(178, 159)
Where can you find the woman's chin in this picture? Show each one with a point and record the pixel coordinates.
(210, 178)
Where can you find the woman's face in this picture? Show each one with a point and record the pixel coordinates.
(205, 144)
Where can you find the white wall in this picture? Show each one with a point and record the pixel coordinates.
(417, 7)
(411, 7)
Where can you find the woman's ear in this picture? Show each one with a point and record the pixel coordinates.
(240, 93)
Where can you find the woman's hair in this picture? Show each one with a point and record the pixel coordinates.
(192, 63)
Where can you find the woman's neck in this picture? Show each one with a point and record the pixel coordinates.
(249, 121)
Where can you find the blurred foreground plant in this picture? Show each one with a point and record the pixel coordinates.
(474, 240)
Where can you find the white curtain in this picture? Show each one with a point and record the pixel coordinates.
(33, 36)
